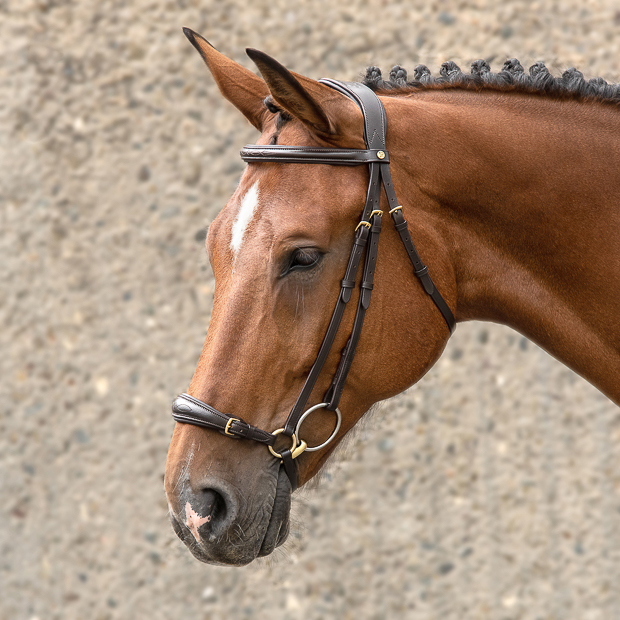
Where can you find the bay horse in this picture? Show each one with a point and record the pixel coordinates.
(510, 185)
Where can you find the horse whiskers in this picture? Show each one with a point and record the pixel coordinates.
(241, 532)
(183, 476)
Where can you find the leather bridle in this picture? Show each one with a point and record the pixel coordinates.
(190, 410)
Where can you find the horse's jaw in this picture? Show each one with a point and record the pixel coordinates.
(258, 522)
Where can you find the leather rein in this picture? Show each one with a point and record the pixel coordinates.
(190, 410)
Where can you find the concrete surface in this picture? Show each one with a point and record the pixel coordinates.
(488, 491)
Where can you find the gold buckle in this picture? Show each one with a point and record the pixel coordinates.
(367, 224)
(299, 449)
(230, 421)
(398, 208)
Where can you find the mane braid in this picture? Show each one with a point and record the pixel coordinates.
(512, 78)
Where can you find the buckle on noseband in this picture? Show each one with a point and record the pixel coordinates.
(227, 427)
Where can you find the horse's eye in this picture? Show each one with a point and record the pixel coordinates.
(302, 259)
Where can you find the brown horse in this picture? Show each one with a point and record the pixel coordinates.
(512, 192)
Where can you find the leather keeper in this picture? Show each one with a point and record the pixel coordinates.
(427, 283)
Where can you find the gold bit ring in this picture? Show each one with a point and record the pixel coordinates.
(296, 449)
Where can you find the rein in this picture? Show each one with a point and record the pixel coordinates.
(190, 410)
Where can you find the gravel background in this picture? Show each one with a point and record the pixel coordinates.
(490, 490)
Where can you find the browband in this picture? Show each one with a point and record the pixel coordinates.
(312, 155)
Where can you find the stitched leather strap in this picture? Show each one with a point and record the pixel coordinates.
(375, 123)
(420, 270)
(333, 394)
(312, 155)
(190, 410)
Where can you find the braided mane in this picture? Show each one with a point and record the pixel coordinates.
(512, 78)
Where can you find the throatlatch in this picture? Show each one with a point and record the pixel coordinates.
(190, 410)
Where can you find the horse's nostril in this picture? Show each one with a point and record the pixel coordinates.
(207, 513)
(218, 507)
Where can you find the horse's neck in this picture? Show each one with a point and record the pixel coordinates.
(526, 193)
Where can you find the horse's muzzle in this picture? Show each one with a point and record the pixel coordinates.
(221, 526)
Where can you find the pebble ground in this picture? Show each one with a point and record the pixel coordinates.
(491, 490)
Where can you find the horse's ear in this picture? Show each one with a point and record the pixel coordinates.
(244, 89)
(318, 106)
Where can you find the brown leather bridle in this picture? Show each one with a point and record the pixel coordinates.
(190, 410)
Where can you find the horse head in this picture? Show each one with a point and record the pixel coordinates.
(278, 250)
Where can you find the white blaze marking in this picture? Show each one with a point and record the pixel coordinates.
(249, 202)
(193, 520)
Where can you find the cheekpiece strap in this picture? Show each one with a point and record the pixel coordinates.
(374, 135)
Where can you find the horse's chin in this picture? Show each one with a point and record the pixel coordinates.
(228, 550)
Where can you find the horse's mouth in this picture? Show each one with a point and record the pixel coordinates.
(232, 549)
(279, 521)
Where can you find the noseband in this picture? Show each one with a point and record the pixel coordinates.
(190, 410)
